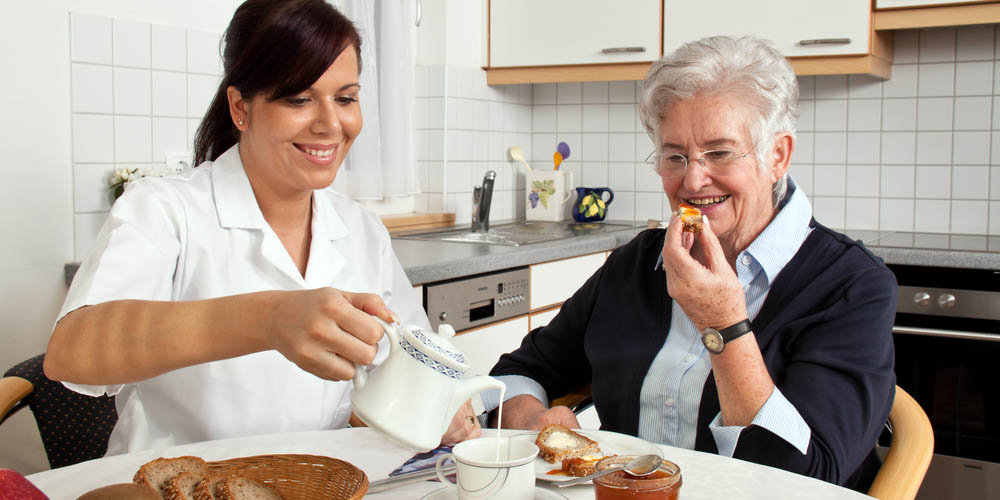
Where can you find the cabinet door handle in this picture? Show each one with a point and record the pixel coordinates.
(420, 12)
(617, 50)
(825, 41)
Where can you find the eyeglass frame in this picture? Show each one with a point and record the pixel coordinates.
(687, 159)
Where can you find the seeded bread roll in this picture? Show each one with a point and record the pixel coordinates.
(556, 442)
(241, 488)
(691, 218)
(124, 491)
(157, 474)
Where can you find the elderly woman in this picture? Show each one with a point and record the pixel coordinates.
(765, 336)
(236, 298)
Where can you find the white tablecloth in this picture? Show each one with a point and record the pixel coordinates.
(705, 476)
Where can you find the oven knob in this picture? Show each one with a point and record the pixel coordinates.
(946, 300)
(921, 298)
(443, 316)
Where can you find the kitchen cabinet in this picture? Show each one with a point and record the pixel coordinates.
(555, 281)
(933, 14)
(818, 36)
(483, 346)
(542, 318)
(592, 40)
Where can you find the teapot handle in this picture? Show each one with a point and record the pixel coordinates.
(360, 374)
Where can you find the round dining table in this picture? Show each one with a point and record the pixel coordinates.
(704, 475)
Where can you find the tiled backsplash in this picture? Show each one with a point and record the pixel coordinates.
(918, 152)
(139, 92)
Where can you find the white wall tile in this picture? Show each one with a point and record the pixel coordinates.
(132, 91)
(831, 147)
(863, 87)
(480, 145)
(933, 181)
(903, 82)
(623, 208)
(92, 89)
(594, 174)
(935, 113)
(831, 87)
(895, 215)
(995, 148)
(969, 217)
(459, 144)
(807, 87)
(829, 211)
(931, 216)
(435, 113)
(420, 76)
(863, 147)
(995, 183)
(974, 78)
(862, 181)
(482, 115)
(86, 226)
(897, 181)
(523, 118)
(971, 148)
(863, 214)
(937, 45)
(90, 38)
(594, 147)
(933, 148)
(621, 177)
(169, 134)
(829, 180)
(936, 80)
(905, 47)
(899, 148)
(994, 227)
(436, 76)
(621, 92)
(91, 183)
(133, 139)
(93, 139)
(643, 146)
(621, 118)
(807, 116)
(831, 115)
(803, 175)
(805, 145)
(975, 43)
(621, 147)
(646, 180)
(569, 93)
(973, 113)
(899, 114)
(131, 43)
(458, 178)
(169, 48)
(595, 117)
(648, 206)
(544, 93)
(570, 118)
(595, 92)
(169, 94)
(543, 118)
(203, 52)
(864, 114)
(542, 147)
(970, 183)
(201, 91)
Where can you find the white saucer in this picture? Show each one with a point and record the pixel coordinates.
(447, 493)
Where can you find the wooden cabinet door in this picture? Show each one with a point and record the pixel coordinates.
(560, 32)
(799, 28)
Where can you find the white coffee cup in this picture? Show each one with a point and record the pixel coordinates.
(483, 473)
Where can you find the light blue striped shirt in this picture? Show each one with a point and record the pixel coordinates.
(671, 392)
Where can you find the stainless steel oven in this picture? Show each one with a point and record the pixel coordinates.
(947, 339)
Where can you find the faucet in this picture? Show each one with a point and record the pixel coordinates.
(482, 196)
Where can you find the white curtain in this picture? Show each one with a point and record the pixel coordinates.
(381, 163)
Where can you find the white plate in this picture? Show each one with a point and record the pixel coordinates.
(447, 493)
(611, 443)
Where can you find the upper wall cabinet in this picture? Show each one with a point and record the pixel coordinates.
(572, 40)
(908, 14)
(818, 36)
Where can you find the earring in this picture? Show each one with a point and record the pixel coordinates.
(240, 121)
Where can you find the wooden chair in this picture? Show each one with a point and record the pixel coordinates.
(909, 453)
(74, 427)
(577, 400)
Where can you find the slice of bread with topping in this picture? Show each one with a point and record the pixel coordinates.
(241, 488)
(581, 466)
(157, 474)
(557, 442)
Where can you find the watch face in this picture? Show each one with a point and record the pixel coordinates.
(712, 340)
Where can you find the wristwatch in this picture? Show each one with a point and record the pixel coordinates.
(715, 340)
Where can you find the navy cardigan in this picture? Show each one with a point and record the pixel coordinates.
(825, 332)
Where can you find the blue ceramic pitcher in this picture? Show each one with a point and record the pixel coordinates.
(590, 204)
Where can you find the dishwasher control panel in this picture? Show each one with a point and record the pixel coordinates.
(478, 300)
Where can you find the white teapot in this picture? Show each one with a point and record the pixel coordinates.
(413, 395)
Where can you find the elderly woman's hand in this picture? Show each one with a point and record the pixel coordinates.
(326, 331)
(702, 282)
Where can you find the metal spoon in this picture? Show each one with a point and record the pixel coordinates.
(643, 465)
(517, 153)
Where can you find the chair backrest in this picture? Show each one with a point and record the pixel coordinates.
(74, 427)
(909, 453)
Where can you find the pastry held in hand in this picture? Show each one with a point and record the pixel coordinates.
(690, 217)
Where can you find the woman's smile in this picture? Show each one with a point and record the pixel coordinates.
(320, 154)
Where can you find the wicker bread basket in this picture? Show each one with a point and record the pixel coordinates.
(305, 477)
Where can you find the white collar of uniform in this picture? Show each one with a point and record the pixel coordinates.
(237, 206)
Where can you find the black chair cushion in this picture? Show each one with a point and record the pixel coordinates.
(74, 427)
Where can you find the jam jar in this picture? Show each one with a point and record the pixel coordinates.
(663, 484)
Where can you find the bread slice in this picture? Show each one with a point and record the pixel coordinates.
(691, 218)
(205, 490)
(159, 472)
(580, 466)
(241, 488)
(182, 486)
(557, 442)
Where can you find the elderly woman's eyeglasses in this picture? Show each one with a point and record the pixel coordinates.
(673, 165)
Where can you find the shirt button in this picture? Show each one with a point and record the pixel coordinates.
(670, 401)
(689, 358)
(745, 260)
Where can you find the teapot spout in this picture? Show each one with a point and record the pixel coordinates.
(466, 389)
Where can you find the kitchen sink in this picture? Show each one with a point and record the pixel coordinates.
(521, 233)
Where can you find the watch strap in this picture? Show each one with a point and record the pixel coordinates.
(733, 332)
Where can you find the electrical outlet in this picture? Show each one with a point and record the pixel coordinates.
(178, 160)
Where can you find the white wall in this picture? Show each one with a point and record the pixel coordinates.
(36, 179)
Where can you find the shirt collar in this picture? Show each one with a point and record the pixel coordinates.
(778, 242)
(237, 207)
